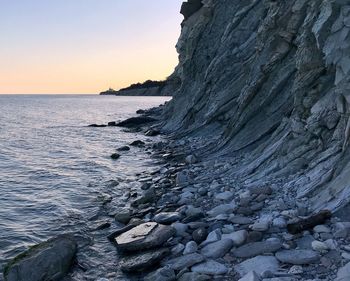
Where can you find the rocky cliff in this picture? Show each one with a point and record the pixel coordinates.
(267, 83)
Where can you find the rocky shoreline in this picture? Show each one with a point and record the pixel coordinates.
(190, 220)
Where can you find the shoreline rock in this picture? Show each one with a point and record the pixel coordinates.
(50, 260)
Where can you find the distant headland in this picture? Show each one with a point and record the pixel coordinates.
(147, 88)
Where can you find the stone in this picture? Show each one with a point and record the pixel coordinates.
(228, 228)
(224, 196)
(258, 264)
(194, 276)
(331, 244)
(148, 196)
(51, 259)
(240, 220)
(296, 269)
(167, 217)
(213, 236)
(310, 222)
(257, 248)
(305, 242)
(97, 126)
(162, 274)
(135, 121)
(210, 267)
(178, 249)
(321, 229)
(191, 159)
(190, 248)
(319, 246)
(192, 211)
(250, 276)
(185, 261)
(217, 249)
(144, 236)
(199, 235)
(261, 190)
(254, 236)
(152, 133)
(103, 225)
(124, 148)
(181, 178)
(222, 209)
(298, 257)
(343, 273)
(137, 143)
(238, 238)
(142, 261)
(180, 228)
(115, 156)
(123, 215)
(202, 191)
(260, 226)
(279, 222)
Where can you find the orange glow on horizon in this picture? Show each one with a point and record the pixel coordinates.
(86, 46)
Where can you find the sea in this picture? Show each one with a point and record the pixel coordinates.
(56, 173)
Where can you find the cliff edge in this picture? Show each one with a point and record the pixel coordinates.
(267, 83)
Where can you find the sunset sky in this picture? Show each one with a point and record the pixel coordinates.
(85, 46)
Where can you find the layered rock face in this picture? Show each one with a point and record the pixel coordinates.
(268, 82)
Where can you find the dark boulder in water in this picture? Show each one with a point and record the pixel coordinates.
(112, 124)
(137, 143)
(97, 126)
(136, 121)
(115, 156)
(140, 111)
(50, 260)
(152, 133)
(123, 148)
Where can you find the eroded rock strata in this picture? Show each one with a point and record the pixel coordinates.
(267, 82)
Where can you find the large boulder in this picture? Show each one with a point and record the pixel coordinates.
(142, 261)
(144, 236)
(50, 260)
(135, 122)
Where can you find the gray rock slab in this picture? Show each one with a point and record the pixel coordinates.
(221, 209)
(162, 274)
(184, 261)
(251, 276)
(298, 256)
(167, 217)
(343, 273)
(144, 236)
(258, 264)
(210, 267)
(238, 237)
(194, 276)
(257, 248)
(217, 249)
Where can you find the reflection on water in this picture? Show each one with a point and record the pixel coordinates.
(55, 173)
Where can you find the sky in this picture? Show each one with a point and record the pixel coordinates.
(85, 46)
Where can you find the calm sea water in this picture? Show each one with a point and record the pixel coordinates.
(55, 172)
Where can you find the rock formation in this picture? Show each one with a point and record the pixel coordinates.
(148, 88)
(50, 260)
(267, 82)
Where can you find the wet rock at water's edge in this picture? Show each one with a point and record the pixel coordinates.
(50, 260)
